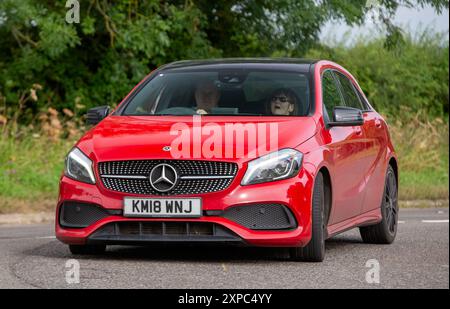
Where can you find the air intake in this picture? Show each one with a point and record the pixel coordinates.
(81, 215)
(262, 216)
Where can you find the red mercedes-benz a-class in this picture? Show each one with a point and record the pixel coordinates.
(258, 152)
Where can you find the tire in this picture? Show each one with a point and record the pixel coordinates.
(385, 231)
(87, 249)
(314, 251)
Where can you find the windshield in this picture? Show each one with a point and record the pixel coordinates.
(239, 92)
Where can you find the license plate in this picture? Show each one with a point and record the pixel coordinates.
(162, 207)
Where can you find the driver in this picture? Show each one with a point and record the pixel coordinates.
(207, 96)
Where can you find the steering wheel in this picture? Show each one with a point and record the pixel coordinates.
(177, 111)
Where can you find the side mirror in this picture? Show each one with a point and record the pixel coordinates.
(346, 117)
(97, 114)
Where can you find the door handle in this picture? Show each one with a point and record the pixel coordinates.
(358, 130)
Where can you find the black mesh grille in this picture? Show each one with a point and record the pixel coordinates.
(184, 168)
(262, 216)
(79, 215)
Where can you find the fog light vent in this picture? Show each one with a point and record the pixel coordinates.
(80, 215)
(262, 216)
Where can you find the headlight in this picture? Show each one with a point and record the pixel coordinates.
(278, 165)
(79, 167)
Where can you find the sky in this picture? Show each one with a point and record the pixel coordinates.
(412, 19)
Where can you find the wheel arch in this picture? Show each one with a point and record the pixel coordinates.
(328, 190)
(393, 162)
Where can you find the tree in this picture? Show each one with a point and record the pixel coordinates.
(116, 43)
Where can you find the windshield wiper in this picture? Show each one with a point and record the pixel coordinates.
(240, 114)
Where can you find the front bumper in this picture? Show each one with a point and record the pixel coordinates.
(294, 193)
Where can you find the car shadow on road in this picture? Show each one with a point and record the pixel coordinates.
(202, 253)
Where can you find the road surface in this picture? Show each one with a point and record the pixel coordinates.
(30, 257)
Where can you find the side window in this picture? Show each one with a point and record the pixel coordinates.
(330, 93)
(363, 101)
(348, 91)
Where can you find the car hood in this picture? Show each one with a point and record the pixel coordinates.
(147, 137)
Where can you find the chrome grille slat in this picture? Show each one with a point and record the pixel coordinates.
(125, 176)
(196, 177)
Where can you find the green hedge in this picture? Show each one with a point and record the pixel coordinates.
(414, 75)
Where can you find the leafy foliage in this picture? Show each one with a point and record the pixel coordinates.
(117, 42)
(97, 61)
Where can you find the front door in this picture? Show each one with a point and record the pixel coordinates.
(347, 147)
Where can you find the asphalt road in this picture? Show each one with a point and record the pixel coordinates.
(30, 257)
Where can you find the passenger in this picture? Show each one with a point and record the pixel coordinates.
(283, 102)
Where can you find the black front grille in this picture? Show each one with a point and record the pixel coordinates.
(262, 216)
(136, 176)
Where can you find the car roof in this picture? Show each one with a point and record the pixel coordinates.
(290, 64)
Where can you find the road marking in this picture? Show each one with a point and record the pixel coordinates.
(435, 221)
(401, 222)
(46, 237)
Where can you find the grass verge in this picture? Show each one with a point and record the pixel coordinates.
(30, 169)
(423, 152)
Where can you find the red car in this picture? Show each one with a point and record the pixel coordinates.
(257, 152)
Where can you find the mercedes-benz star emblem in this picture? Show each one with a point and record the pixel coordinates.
(163, 177)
